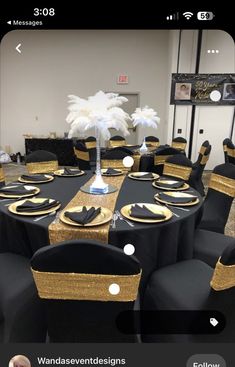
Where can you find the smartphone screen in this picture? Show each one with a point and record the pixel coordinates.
(117, 180)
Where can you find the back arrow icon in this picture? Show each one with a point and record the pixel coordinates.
(18, 48)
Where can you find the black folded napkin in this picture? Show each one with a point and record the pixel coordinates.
(111, 171)
(175, 185)
(138, 211)
(69, 172)
(173, 199)
(34, 177)
(85, 216)
(19, 190)
(146, 175)
(29, 206)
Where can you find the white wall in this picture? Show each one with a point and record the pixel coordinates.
(216, 121)
(53, 64)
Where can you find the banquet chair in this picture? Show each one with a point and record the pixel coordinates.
(192, 285)
(114, 158)
(160, 157)
(82, 155)
(225, 142)
(117, 141)
(153, 140)
(179, 143)
(41, 161)
(178, 166)
(22, 319)
(219, 198)
(195, 179)
(73, 280)
(230, 152)
(2, 176)
(202, 150)
(90, 144)
(209, 246)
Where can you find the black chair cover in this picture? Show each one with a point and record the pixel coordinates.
(178, 160)
(22, 319)
(230, 152)
(40, 156)
(195, 179)
(204, 145)
(190, 285)
(209, 246)
(83, 320)
(225, 143)
(83, 159)
(217, 204)
(161, 154)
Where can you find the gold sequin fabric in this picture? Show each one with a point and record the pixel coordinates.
(222, 184)
(42, 167)
(59, 232)
(80, 154)
(91, 287)
(176, 170)
(223, 277)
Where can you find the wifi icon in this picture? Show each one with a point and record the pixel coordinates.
(188, 15)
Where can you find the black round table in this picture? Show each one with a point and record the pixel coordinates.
(156, 245)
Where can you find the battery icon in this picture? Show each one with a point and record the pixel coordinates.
(205, 15)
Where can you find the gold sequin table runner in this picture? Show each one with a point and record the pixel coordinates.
(59, 232)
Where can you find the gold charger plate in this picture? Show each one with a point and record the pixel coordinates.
(158, 209)
(104, 216)
(157, 184)
(13, 206)
(103, 172)
(177, 194)
(50, 178)
(60, 172)
(37, 190)
(137, 176)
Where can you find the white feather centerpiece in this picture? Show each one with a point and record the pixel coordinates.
(101, 112)
(145, 117)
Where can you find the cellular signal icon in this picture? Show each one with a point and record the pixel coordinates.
(188, 15)
(173, 16)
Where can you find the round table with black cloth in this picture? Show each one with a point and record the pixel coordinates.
(156, 245)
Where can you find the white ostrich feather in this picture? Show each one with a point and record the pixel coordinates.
(145, 116)
(100, 111)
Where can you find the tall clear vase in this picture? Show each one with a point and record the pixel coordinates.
(98, 186)
(143, 148)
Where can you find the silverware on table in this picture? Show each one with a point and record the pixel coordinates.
(44, 216)
(125, 220)
(115, 217)
(164, 204)
(57, 219)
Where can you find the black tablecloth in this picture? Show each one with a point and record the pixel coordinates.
(156, 245)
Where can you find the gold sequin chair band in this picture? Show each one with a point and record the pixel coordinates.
(117, 143)
(42, 167)
(178, 145)
(175, 170)
(90, 144)
(202, 150)
(204, 159)
(223, 277)
(222, 184)
(153, 143)
(160, 159)
(2, 178)
(89, 287)
(230, 152)
(225, 147)
(136, 165)
(113, 163)
(80, 154)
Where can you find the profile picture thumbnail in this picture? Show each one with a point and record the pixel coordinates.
(229, 91)
(182, 91)
(19, 361)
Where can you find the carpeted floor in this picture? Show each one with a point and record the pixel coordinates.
(13, 171)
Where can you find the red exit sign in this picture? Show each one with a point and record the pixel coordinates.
(122, 79)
